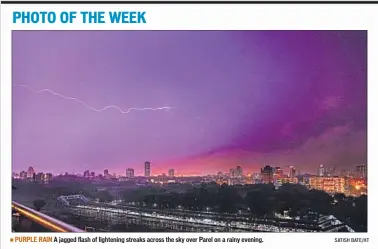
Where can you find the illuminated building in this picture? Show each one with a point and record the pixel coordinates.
(221, 181)
(147, 169)
(130, 173)
(171, 172)
(328, 184)
(239, 172)
(291, 171)
(236, 176)
(47, 177)
(207, 179)
(106, 172)
(297, 173)
(256, 178)
(39, 177)
(232, 173)
(358, 187)
(278, 171)
(86, 174)
(30, 172)
(290, 180)
(277, 175)
(321, 171)
(267, 174)
(285, 180)
(230, 181)
(162, 179)
(23, 175)
(249, 180)
(316, 182)
(361, 171)
(348, 185)
(345, 172)
(331, 171)
(239, 180)
(303, 179)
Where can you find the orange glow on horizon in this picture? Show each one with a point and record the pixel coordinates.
(196, 166)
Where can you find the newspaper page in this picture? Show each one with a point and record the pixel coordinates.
(188, 124)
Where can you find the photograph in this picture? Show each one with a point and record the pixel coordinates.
(189, 131)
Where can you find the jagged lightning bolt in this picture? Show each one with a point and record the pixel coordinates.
(90, 107)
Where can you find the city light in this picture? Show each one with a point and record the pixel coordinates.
(109, 200)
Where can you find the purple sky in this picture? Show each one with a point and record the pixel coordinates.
(244, 98)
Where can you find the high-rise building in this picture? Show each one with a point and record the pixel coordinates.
(30, 172)
(277, 176)
(256, 178)
(297, 173)
(267, 174)
(39, 177)
(361, 171)
(345, 173)
(239, 172)
(332, 171)
(278, 171)
(48, 177)
(321, 171)
(106, 172)
(23, 175)
(232, 173)
(86, 174)
(291, 171)
(130, 173)
(171, 172)
(147, 169)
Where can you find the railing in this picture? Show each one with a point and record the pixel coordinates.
(44, 220)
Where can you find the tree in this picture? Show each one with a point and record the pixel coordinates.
(293, 198)
(39, 204)
(340, 198)
(359, 215)
(104, 196)
(228, 199)
(320, 201)
(260, 203)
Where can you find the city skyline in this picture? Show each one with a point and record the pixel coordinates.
(350, 183)
(235, 98)
(286, 171)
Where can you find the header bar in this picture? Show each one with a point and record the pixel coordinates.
(190, 2)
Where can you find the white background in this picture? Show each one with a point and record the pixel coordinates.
(205, 17)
